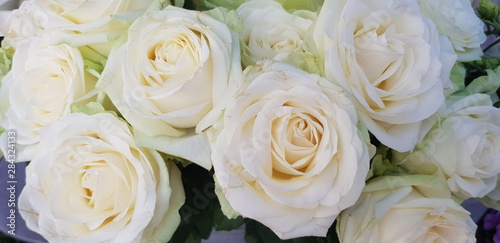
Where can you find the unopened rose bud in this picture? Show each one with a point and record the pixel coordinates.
(488, 10)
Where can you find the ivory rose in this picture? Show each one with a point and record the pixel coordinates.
(76, 23)
(6, 7)
(458, 21)
(174, 75)
(93, 184)
(270, 32)
(289, 154)
(42, 85)
(390, 59)
(465, 146)
(403, 209)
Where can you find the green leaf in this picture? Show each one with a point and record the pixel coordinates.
(222, 222)
(256, 232)
(485, 84)
(479, 68)
(482, 65)
(194, 4)
(196, 223)
(229, 4)
(4, 238)
(202, 211)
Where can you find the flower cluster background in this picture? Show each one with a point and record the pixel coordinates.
(301, 121)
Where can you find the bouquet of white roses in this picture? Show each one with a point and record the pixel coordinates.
(159, 120)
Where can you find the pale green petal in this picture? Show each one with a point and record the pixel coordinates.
(462, 102)
(418, 162)
(381, 165)
(224, 203)
(173, 198)
(193, 147)
(90, 109)
(228, 17)
(5, 63)
(177, 199)
(432, 186)
(93, 59)
(292, 5)
(306, 61)
(457, 77)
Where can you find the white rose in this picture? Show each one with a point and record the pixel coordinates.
(43, 83)
(21, 24)
(465, 145)
(289, 154)
(492, 199)
(80, 12)
(6, 7)
(175, 73)
(74, 22)
(4, 16)
(93, 184)
(458, 21)
(403, 209)
(270, 32)
(392, 61)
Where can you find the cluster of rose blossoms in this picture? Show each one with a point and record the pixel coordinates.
(354, 111)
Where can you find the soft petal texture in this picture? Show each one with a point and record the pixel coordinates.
(492, 199)
(192, 147)
(457, 20)
(4, 15)
(400, 209)
(465, 145)
(289, 151)
(77, 23)
(390, 59)
(270, 32)
(174, 75)
(87, 11)
(93, 184)
(43, 83)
